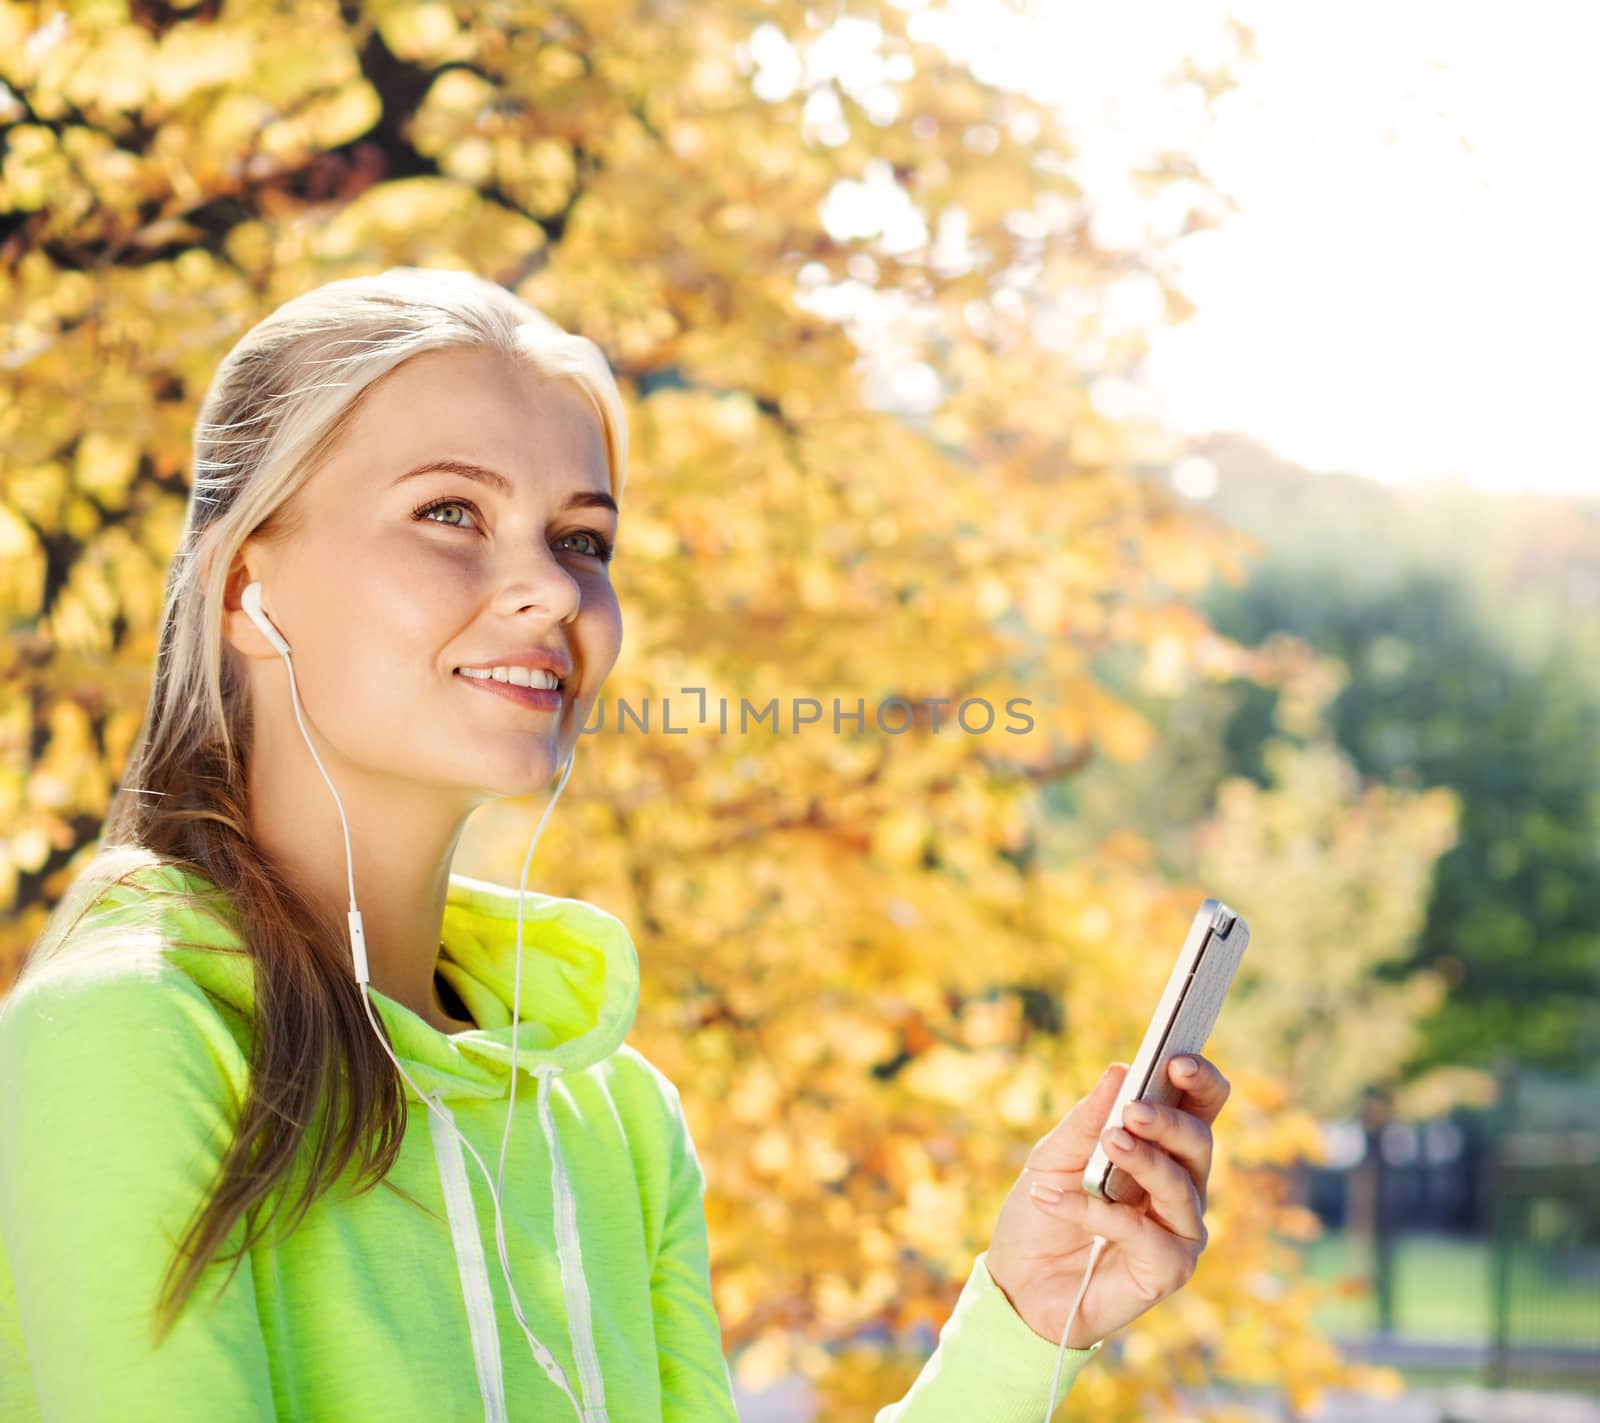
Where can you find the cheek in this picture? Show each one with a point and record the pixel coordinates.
(599, 630)
(415, 603)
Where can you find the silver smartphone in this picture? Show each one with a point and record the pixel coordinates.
(1181, 1024)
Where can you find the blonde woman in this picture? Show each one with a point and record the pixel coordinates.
(268, 994)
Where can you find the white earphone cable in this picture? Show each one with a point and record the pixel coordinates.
(1072, 1315)
(541, 1354)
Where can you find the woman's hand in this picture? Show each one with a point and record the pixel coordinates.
(1041, 1241)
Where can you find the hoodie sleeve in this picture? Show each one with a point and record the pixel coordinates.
(695, 1385)
(116, 1092)
(989, 1364)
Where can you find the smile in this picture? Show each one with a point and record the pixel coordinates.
(539, 698)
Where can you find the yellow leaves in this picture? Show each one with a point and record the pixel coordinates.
(385, 221)
(286, 142)
(105, 467)
(991, 1022)
(931, 1217)
(38, 493)
(453, 126)
(1020, 1102)
(80, 620)
(765, 1361)
(988, 193)
(770, 1152)
(538, 174)
(1177, 552)
(120, 730)
(21, 567)
(992, 597)
(250, 245)
(798, 1153)
(34, 168)
(69, 774)
(113, 74)
(843, 1299)
(756, 1097)
(1436, 1092)
(233, 121)
(951, 1077)
(458, 96)
(290, 63)
(554, 63)
(28, 850)
(117, 180)
(898, 837)
(1298, 1223)
(335, 118)
(421, 31)
(857, 1034)
(1084, 711)
(190, 58)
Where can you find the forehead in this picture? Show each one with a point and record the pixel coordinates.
(480, 406)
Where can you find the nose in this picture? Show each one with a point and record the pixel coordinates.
(547, 588)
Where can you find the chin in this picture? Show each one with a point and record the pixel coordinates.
(535, 771)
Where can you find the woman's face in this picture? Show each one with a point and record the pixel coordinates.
(401, 573)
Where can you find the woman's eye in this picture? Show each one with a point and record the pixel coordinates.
(597, 546)
(425, 511)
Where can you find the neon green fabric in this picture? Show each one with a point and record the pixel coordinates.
(121, 1075)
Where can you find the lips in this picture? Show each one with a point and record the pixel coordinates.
(535, 698)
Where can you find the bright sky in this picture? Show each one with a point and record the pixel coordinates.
(1410, 288)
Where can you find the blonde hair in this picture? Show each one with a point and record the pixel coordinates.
(277, 407)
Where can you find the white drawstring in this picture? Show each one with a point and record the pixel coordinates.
(469, 1258)
(569, 1251)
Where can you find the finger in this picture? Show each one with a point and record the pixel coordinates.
(1071, 1142)
(1157, 1262)
(1182, 1135)
(1204, 1088)
(1174, 1200)
(1123, 1224)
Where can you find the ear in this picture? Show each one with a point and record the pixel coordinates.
(238, 631)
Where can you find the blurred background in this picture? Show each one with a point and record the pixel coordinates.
(1214, 377)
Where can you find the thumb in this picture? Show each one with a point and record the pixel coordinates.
(1071, 1142)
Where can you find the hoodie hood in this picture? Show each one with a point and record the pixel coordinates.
(579, 991)
(580, 982)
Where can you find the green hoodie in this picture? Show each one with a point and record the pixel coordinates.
(121, 1076)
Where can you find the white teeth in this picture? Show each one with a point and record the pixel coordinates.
(517, 676)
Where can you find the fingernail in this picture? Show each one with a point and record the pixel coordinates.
(1122, 1139)
(1139, 1114)
(1044, 1191)
(1185, 1065)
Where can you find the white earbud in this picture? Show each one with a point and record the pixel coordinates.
(251, 602)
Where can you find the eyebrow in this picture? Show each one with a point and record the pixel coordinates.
(582, 499)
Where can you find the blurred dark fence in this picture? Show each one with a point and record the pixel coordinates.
(1545, 1225)
(1515, 1191)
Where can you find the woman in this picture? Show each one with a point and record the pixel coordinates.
(410, 480)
